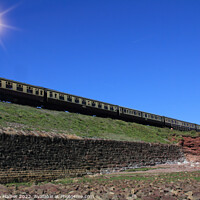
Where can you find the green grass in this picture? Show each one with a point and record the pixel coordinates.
(102, 178)
(162, 178)
(16, 184)
(85, 126)
(176, 176)
(197, 178)
(168, 177)
(141, 169)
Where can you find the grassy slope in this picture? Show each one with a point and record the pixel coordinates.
(82, 125)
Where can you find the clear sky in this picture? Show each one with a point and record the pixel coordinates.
(141, 54)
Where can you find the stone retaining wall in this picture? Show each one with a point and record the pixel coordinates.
(38, 158)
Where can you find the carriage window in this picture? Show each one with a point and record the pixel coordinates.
(139, 113)
(41, 92)
(19, 88)
(36, 92)
(106, 107)
(8, 85)
(61, 97)
(55, 95)
(135, 113)
(111, 108)
(99, 106)
(84, 102)
(77, 100)
(51, 94)
(29, 90)
(93, 104)
(69, 98)
(145, 115)
(151, 116)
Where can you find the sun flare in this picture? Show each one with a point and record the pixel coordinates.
(4, 25)
(1, 24)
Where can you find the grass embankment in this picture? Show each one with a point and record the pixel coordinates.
(84, 126)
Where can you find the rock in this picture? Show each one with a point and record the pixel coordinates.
(148, 198)
(133, 191)
(112, 188)
(167, 190)
(97, 197)
(4, 190)
(196, 195)
(168, 197)
(40, 191)
(111, 193)
(189, 195)
(71, 193)
(175, 192)
(191, 148)
(156, 192)
(139, 194)
(132, 197)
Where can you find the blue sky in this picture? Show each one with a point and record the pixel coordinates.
(139, 54)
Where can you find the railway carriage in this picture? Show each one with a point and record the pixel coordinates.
(63, 101)
(141, 117)
(23, 93)
(178, 124)
(172, 123)
(153, 119)
(130, 114)
(198, 128)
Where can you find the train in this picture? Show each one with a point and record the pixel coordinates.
(26, 94)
